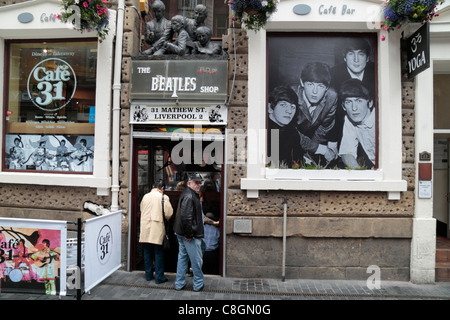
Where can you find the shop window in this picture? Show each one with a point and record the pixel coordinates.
(50, 99)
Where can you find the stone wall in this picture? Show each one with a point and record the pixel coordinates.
(46, 202)
(330, 235)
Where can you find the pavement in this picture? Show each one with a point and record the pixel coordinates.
(124, 285)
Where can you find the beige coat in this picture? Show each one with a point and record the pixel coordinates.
(152, 224)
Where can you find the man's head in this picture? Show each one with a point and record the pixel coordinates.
(315, 79)
(194, 181)
(282, 105)
(356, 54)
(203, 35)
(356, 100)
(159, 185)
(158, 8)
(46, 243)
(212, 216)
(177, 23)
(200, 14)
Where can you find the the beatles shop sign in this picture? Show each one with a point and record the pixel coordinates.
(178, 80)
(418, 51)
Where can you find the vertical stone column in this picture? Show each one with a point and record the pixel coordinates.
(423, 244)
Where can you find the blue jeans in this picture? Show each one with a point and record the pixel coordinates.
(189, 251)
(150, 249)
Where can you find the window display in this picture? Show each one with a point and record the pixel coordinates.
(50, 106)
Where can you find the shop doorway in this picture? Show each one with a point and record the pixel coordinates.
(156, 159)
(441, 177)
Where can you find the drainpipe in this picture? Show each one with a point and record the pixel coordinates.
(283, 274)
(115, 187)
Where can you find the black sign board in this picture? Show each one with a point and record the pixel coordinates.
(418, 51)
(179, 79)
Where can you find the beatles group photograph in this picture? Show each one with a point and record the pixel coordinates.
(321, 110)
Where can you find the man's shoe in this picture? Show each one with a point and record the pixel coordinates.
(200, 289)
(164, 280)
(179, 289)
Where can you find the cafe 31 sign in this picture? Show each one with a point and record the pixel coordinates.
(179, 80)
(51, 84)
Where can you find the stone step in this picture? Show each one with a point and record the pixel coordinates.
(442, 255)
(442, 270)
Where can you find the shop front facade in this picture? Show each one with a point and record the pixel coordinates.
(294, 217)
(312, 219)
(57, 117)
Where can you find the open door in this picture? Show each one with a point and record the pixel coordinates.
(164, 159)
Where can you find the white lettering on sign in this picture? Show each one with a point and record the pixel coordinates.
(144, 69)
(211, 89)
(48, 18)
(173, 84)
(345, 10)
(416, 40)
(417, 62)
(46, 84)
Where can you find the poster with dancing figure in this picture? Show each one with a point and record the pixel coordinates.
(33, 256)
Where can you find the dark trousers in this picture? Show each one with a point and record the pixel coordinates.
(154, 253)
(211, 261)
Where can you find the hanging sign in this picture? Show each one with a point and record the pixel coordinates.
(418, 51)
(179, 79)
(172, 114)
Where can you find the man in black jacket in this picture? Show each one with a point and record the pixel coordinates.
(189, 230)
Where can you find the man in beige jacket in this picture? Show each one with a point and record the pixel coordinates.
(153, 231)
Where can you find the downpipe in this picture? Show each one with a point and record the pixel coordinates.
(115, 187)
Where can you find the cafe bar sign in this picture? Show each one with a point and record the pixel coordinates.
(178, 80)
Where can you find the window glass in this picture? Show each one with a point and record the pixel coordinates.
(50, 103)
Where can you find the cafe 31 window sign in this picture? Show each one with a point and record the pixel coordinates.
(50, 113)
(179, 92)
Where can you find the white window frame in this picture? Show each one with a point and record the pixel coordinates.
(11, 28)
(388, 176)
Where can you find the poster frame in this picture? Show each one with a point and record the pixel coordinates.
(47, 225)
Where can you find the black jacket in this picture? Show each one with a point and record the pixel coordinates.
(189, 220)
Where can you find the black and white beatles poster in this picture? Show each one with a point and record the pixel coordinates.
(34, 152)
(322, 101)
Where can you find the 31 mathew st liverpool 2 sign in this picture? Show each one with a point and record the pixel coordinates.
(174, 80)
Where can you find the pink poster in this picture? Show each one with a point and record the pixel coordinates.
(30, 260)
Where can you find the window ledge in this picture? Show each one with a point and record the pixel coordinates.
(72, 180)
(393, 187)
